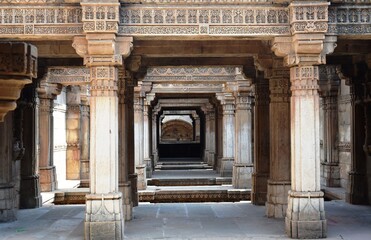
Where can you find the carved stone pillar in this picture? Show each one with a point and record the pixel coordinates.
(124, 183)
(211, 158)
(305, 217)
(243, 165)
(197, 128)
(357, 191)
(146, 139)
(103, 52)
(228, 103)
(279, 182)
(219, 138)
(85, 137)
(207, 135)
(73, 116)
(140, 166)
(29, 195)
(47, 92)
(261, 141)
(154, 138)
(329, 84)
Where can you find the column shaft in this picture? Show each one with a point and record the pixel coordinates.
(280, 149)
(140, 167)
(147, 160)
(261, 142)
(228, 137)
(243, 165)
(305, 216)
(84, 143)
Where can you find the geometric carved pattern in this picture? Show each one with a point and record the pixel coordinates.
(64, 20)
(99, 17)
(349, 20)
(68, 75)
(185, 20)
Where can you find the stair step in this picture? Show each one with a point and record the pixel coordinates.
(196, 194)
(182, 167)
(180, 163)
(188, 181)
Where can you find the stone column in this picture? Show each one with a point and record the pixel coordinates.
(279, 182)
(307, 48)
(47, 92)
(140, 166)
(197, 127)
(124, 183)
(219, 137)
(73, 116)
(207, 135)
(29, 195)
(243, 165)
(154, 138)
(357, 191)
(103, 52)
(212, 140)
(85, 137)
(261, 141)
(329, 85)
(147, 160)
(228, 103)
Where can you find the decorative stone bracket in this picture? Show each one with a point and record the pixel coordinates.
(18, 65)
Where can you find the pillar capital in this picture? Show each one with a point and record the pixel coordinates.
(17, 68)
(329, 80)
(48, 90)
(103, 49)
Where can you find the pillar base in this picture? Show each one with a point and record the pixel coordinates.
(259, 188)
(48, 179)
(242, 174)
(84, 183)
(142, 180)
(29, 196)
(219, 164)
(103, 217)
(226, 167)
(125, 189)
(305, 216)
(148, 163)
(330, 176)
(206, 156)
(133, 178)
(277, 194)
(8, 210)
(356, 190)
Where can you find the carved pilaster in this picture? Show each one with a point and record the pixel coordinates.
(85, 137)
(279, 126)
(73, 117)
(18, 65)
(47, 92)
(228, 103)
(329, 85)
(261, 141)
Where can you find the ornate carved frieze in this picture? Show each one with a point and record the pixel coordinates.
(349, 20)
(68, 75)
(100, 16)
(195, 1)
(40, 20)
(206, 20)
(309, 16)
(344, 147)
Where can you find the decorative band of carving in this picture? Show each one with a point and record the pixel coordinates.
(68, 75)
(279, 89)
(309, 17)
(350, 19)
(64, 20)
(184, 20)
(103, 81)
(344, 146)
(304, 80)
(46, 105)
(73, 108)
(98, 17)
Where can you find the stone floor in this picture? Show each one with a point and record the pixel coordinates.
(186, 221)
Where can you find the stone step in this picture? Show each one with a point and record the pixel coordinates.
(180, 163)
(194, 194)
(155, 194)
(183, 167)
(189, 181)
